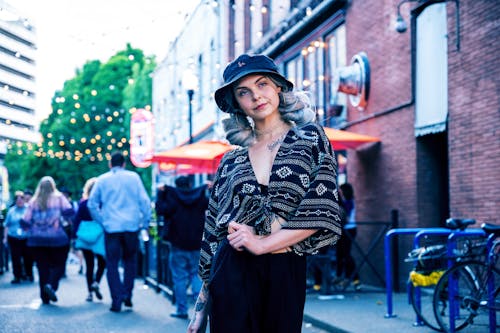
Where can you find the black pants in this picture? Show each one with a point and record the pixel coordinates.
(255, 294)
(89, 267)
(345, 261)
(21, 257)
(50, 262)
(121, 246)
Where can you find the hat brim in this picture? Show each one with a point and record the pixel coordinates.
(226, 88)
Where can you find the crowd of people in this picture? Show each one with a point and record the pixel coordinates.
(41, 230)
(240, 244)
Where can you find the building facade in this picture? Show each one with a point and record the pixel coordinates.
(17, 78)
(18, 122)
(421, 75)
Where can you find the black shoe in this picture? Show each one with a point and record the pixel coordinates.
(128, 302)
(95, 289)
(179, 315)
(114, 309)
(16, 281)
(51, 294)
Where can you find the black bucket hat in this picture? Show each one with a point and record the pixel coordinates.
(244, 65)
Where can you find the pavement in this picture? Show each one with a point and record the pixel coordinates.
(347, 312)
(21, 310)
(361, 311)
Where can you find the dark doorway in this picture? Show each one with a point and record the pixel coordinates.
(432, 180)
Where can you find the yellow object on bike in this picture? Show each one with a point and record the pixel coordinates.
(425, 280)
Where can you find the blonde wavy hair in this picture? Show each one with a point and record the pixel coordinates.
(87, 188)
(45, 189)
(295, 108)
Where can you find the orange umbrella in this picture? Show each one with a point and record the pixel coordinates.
(342, 140)
(198, 157)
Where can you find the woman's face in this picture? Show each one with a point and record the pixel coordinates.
(257, 96)
(19, 201)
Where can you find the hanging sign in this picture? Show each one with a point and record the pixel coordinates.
(141, 138)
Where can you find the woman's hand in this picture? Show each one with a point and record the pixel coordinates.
(199, 321)
(242, 237)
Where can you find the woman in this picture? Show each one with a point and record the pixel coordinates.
(46, 235)
(91, 243)
(273, 201)
(345, 262)
(15, 237)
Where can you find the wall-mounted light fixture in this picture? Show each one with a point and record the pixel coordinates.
(401, 25)
(354, 80)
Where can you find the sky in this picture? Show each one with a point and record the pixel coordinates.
(70, 32)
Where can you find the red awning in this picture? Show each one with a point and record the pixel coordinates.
(205, 156)
(198, 157)
(342, 140)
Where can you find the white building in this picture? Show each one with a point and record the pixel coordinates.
(302, 36)
(195, 53)
(17, 78)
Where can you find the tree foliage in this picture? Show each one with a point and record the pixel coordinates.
(90, 119)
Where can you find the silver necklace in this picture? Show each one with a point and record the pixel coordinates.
(273, 144)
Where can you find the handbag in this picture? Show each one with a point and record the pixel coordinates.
(89, 231)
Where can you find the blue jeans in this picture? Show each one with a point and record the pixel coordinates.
(184, 268)
(121, 246)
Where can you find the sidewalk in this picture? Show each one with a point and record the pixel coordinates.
(360, 312)
(21, 310)
(347, 312)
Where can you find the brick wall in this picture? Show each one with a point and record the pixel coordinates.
(403, 172)
(474, 112)
(384, 177)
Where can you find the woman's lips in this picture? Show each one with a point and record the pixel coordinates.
(261, 106)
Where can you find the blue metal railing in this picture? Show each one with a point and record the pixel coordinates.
(419, 233)
(388, 263)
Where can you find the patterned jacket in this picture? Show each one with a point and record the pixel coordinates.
(302, 190)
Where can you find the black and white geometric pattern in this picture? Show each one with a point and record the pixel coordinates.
(302, 190)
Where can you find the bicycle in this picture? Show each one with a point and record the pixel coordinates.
(431, 263)
(469, 290)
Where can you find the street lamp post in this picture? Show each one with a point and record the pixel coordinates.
(189, 81)
(190, 93)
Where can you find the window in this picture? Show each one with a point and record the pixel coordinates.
(335, 50)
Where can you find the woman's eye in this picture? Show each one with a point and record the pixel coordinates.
(262, 84)
(242, 93)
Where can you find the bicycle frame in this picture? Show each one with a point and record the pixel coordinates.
(453, 288)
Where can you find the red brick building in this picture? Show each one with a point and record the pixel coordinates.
(433, 100)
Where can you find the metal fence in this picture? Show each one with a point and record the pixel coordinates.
(154, 263)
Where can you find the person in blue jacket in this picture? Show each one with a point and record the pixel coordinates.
(92, 249)
(120, 203)
(16, 238)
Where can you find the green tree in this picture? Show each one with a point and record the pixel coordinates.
(90, 120)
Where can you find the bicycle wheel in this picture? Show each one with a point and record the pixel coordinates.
(426, 309)
(469, 282)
